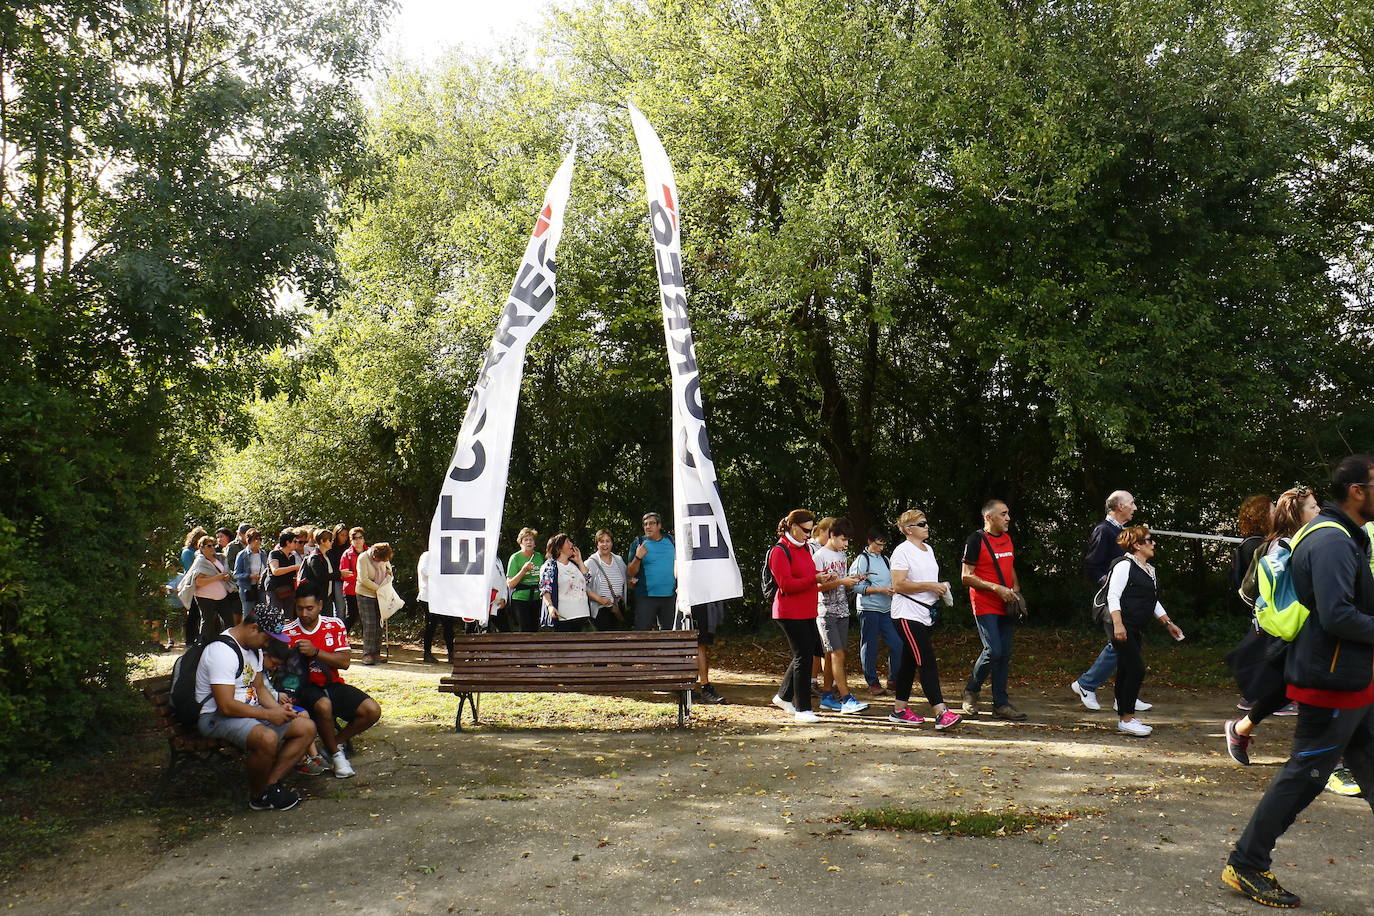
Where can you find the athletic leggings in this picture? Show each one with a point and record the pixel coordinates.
(1130, 669)
(920, 653)
(802, 636)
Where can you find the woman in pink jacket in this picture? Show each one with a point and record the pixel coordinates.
(794, 608)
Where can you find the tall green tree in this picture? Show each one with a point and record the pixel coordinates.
(169, 171)
(935, 252)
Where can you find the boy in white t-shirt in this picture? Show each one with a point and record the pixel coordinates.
(833, 619)
(238, 706)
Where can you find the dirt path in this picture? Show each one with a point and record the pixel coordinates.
(735, 815)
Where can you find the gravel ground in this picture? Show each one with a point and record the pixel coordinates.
(738, 814)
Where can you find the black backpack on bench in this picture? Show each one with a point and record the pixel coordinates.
(185, 709)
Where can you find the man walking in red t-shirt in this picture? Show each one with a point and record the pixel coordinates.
(1330, 673)
(989, 571)
(323, 644)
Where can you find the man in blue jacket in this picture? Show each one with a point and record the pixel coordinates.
(1330, 674)
(1102, 550)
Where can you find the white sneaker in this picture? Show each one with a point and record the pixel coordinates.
(806, 717)
(783, 705)
(1089, 697)
(1134, 727)
(342, 768)
(1141, 705)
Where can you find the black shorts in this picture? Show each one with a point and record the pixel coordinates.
(345, 697)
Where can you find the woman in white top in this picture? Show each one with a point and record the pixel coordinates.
(1132, 599)
(212, 595)
(916, 587)
(565, 586)
(609, 576)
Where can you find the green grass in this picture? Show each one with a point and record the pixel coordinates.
(954, 823)
(29, 837)
(420, 703)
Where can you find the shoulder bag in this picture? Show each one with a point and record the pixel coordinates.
(1016, 605)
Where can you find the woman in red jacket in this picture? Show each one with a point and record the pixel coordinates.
(794, 608)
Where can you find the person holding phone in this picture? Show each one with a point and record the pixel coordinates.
(797, 588)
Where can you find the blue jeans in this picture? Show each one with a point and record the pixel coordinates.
(996, 632)
(1101, 670)
(874, 626)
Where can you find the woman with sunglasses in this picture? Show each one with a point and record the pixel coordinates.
(1258, 660)
(1132, 599)
(916, 587)
(212, 594)
(794, 608)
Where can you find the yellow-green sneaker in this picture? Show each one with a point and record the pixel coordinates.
(1259, 886)
(1342, 782)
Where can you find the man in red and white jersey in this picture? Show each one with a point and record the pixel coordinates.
(323, 645)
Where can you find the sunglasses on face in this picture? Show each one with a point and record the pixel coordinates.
(917, 525)
(1148, 540)
(807, 529)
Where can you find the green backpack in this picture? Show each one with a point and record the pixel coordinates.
(1277, 609)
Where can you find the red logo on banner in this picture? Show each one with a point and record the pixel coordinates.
(668, 202)
(543, 224)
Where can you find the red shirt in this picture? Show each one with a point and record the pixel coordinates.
(795, 572)
(976, 555)
(349, 561)
(1332, 699)
(329, 635)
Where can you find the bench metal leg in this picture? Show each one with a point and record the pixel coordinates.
(684, 705)
(465, 699)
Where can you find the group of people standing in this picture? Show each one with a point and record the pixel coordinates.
(232, 575)
(558, 589)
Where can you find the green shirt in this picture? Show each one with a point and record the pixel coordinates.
(527, 587)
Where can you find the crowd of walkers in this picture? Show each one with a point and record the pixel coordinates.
(288, 613)
(899, 602)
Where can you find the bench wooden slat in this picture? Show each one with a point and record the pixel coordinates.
(564, 655)
(626, 636)
(608, 689)
(591, 662)
(519, 677)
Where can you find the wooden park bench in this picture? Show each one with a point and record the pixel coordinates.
(187, 746)
(610, 662)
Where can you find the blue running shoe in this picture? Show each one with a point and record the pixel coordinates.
(829, 702)
(852, 705)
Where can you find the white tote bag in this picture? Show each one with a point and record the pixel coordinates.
(388, 601)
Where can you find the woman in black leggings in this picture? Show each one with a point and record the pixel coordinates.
(916, 587)
(794, 608)
(1262, 667)
(1132, 599)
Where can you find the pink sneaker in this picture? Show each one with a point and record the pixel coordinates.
(947, 719)
(905, 717)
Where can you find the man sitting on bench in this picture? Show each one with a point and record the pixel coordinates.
(323, 644)
(237, 706)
